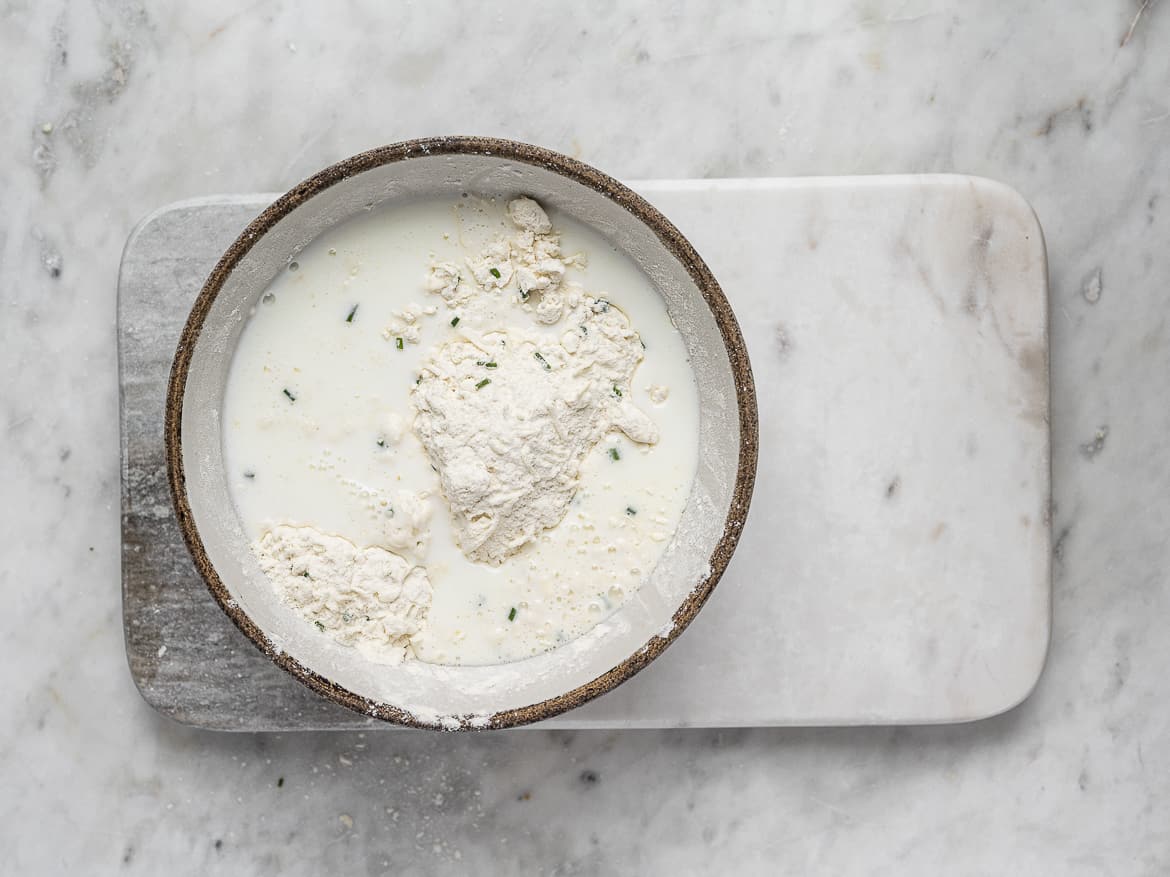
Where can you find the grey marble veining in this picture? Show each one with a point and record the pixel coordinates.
(113, 108)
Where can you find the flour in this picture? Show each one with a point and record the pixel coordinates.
(404, 324)
(506, 416)
(370, 598)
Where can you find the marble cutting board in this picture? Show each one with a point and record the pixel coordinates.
(895, 567)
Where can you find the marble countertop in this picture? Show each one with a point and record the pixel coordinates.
(113, 108)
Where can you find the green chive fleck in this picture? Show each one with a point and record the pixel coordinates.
(617, 391)
(631, 511)
(614, 454)
(352, 311)
(512, 614)
(542, 361)
(288, 393)
(248, 473)
(524, 295)
(320, 626)
(643, 343)
(490, 364)
(454, 322)
(381, 442)
(483, 383)
(398, 343)
(495, 272)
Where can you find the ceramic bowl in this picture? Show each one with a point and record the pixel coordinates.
(415, 693)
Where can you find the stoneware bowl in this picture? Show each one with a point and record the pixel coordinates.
(414, 693)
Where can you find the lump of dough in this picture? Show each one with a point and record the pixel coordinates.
(507, 426)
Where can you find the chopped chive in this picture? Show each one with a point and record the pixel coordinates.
(352, 311)
(495, 272)
(483, 383)
(542, 361)
(614, 454)
(643, 343)
(524, 295)
(306, 575)
(248, 473)
(288, 393)
(512, 614)
(584, 329)
(454, 322)
(381, 442)
(398, 343)
(617, 391)
(320, 626)
(601, 306)
(631, 511)
(490, 364)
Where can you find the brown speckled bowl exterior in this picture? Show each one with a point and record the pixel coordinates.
(575, 170)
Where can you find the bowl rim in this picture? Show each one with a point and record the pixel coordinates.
(577, 171)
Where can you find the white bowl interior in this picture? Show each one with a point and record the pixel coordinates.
(425, 690)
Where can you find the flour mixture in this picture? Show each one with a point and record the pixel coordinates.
(460, 432)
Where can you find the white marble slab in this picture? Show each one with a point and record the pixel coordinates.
(894, 568)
